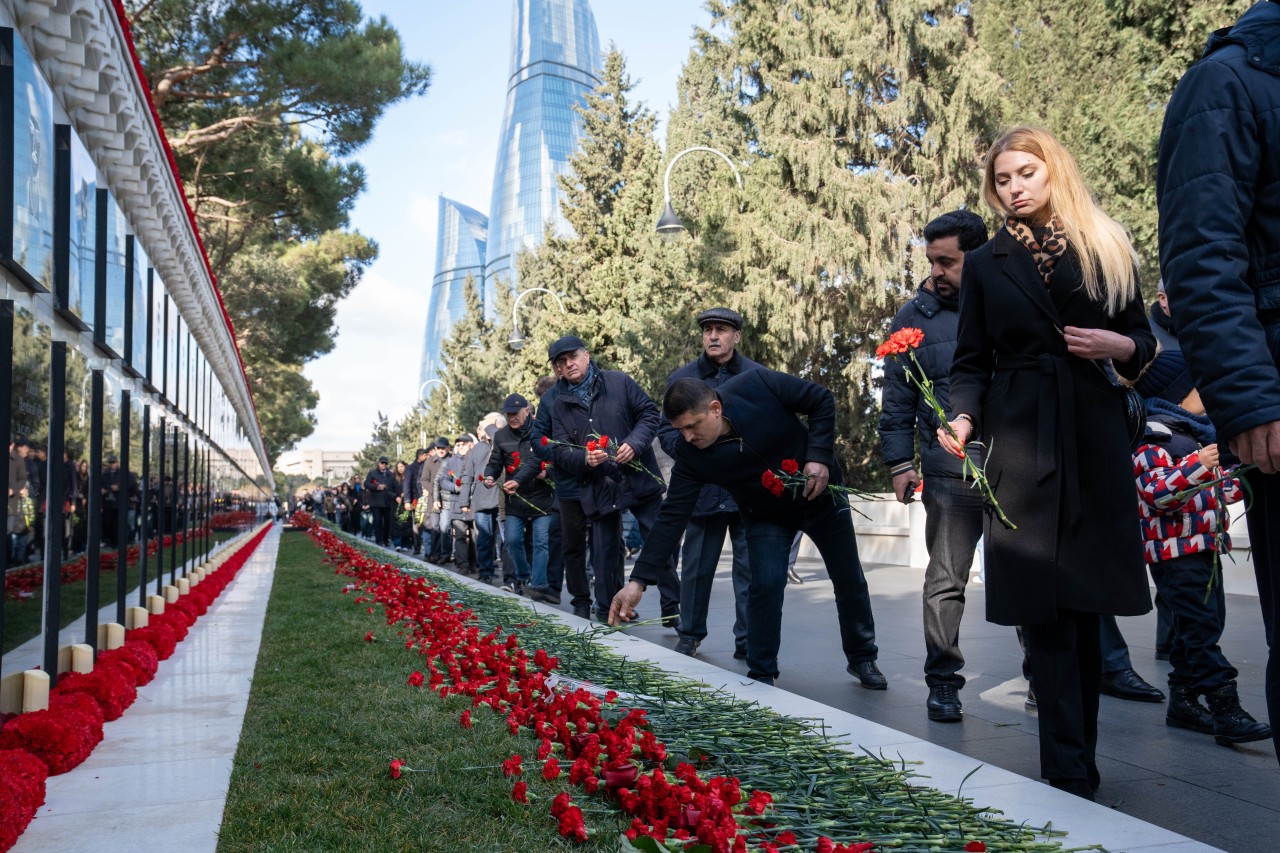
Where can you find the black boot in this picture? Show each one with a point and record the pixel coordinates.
(1186, 712)
(1231, 723)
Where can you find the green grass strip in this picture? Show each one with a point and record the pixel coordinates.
(820, 786)
(327, 713)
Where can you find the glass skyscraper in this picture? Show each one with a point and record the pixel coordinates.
(555, 57)
(460, 252)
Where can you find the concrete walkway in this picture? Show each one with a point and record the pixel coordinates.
(159, 779)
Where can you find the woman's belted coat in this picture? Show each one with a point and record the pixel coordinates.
(1058, 452)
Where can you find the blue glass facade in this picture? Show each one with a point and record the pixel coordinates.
(555, 55)
(554, 63)
(460, 252)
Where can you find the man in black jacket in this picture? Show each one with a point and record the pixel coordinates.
(716, 512)
(529, 499)
(738, 436)
(1216, 183)
(591, 405)
(953, 510)
(412, 491)
(380, 490)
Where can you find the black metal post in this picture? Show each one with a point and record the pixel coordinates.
(160, 525)
(187, 506)
(144, 505)
(177, 513)
(93, 510)
(123, 502)
(53, 506)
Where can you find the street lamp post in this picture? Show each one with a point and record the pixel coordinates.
(422, 393)
(516, 342)
(669, 225)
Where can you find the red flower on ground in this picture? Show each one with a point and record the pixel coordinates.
(520, 793)
(368, 638)
(975, 847)
(790, 466)
(465, 719)
(512, 766)
(416, 679)
(551, 769)
(396, 764)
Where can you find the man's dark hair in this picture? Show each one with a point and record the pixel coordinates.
(965, 225)
(687, 395)
(544, 385)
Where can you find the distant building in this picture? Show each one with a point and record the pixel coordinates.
(460, 252)
(555, 57)
(325, 466)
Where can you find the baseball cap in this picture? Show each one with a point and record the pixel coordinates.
(514, 403)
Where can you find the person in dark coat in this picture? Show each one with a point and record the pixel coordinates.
(591, 403)
(380, 495)
(731, 436)
(449, 484)
(953, 508)
(482, 503)
(412, 492)
(1216, 182)
(716, 513)
(529, 498)
(432, 535)
(1043, 305)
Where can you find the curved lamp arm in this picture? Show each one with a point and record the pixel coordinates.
(422, 390)
(669, 224)
(517, 337)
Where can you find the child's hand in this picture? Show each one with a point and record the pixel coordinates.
(1209, 456)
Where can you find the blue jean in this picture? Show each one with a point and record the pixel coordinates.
(953, 525)
(555, 552)
(768, 544)
(539, 528)
(699, 557)
(486, 520)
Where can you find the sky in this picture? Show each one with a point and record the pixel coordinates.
(446, 142)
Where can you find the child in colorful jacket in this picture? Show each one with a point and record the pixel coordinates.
(1183, 499)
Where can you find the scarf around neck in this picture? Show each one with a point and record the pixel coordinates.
(583, 389)
(1047, 245)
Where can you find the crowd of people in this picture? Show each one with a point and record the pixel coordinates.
(1108, 433)
(121, 503)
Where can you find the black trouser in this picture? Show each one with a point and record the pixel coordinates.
(1198, 662)
(381, 524)
(464, 545)
(573, 542)
(1066, 668)
(952, 528)
(555, 555)
(1264, 538)
(608, 556)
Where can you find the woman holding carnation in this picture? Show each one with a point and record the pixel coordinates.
(1043, 306)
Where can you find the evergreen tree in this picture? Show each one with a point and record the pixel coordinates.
(856, 124)
(1099, 78)
(381, 443)
(264, 102)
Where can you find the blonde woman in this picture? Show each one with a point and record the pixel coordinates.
(1043, 305)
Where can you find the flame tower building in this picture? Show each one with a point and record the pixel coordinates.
(555, 60)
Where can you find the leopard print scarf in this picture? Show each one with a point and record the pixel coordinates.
(1047, 245)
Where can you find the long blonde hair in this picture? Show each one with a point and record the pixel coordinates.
(1106, 254)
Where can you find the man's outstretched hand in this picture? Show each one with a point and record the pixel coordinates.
(623, 607)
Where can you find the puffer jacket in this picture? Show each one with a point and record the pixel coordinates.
(1218, 187)
(513, 456)
(1166, 464)
(903, 412)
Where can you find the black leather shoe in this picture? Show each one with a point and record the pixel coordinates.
(671, 619)
(868, 674)
(739, 652)
(1231, 723)
(1079, 787)
(1030, 702)
(687, 646)
(943, 704)
(764, 679)
(544, 594)
(582, 611)
(1186, 712)
(1127, 684)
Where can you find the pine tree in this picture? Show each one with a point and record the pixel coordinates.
(1098, 77)
(855, 124)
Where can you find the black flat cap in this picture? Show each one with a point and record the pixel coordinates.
(720, 315)
(382, 460)
(569, 343)
(442, 442)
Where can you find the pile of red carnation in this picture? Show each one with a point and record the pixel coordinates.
(22, 584)
(62, 737)
(606, 750)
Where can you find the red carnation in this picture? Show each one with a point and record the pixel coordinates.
(604, 442)
(416, 679)
(551, 769)
(512, 766)
(465, 719)
(396, 764)
(790, 466)
(771, 482)
(975, 847)
(368, 638)
(458, 481)
(520, 793)
(593, 445)
(479, 478)
(545, 441)
(900, 341)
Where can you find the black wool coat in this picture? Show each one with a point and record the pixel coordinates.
(1058, 453)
